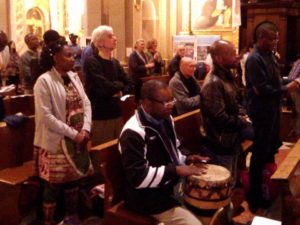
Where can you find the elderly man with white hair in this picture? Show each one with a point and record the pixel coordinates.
(106, 82)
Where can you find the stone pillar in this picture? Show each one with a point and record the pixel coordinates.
(92, 16)
(117, 22)
(4, 12)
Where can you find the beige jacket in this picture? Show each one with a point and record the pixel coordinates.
(50, 110)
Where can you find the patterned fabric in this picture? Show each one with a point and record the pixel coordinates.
(295, 71)
(71, 161)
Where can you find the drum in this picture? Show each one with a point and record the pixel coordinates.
(209, 191)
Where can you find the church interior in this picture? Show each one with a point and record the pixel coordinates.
(194, 24)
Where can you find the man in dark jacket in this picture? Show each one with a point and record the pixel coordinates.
(264, 87)
(152, 160)
(225, 122)
(174, 64)
(106, 82)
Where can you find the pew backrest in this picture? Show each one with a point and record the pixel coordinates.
(188, 129)
(108, 157)
(163, 78)
(19, 103)
(128, 107)
(16, 143)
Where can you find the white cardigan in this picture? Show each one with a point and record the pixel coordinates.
(50, 110)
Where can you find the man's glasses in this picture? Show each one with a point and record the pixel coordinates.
(165, 104)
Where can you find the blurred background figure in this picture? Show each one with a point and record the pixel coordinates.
(12, 68)
(76, 50)
(295, 73)
(154, 56)
(244, 54)
(174, 63)
(139, 66)
(4, 55)
(27, 59)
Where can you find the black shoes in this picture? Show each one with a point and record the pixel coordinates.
(255, 204)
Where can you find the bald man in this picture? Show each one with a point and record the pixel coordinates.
(185, 87)
(174, 64)
(226, 124)
(265, 88)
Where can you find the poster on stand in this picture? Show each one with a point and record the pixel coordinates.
(196, 46)
(202, 46)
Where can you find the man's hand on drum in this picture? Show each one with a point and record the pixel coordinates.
(185, 171)
(195, 159)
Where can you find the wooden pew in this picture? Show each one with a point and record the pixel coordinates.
(108, 157)
(19, 103)
(288, 183)
(128, 107)
(16, 166)
(13, 181)
(188, 131)
(16, 143)
(163, 78)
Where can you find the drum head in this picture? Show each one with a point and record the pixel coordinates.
(214, 173)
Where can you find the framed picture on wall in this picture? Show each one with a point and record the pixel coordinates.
(211, 15)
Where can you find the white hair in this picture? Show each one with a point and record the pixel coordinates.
(99, 32)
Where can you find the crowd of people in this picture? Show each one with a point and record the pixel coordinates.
(72, 110)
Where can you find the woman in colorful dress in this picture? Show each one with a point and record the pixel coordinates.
(63, 122)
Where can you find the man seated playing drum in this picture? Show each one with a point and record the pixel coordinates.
(152, 160)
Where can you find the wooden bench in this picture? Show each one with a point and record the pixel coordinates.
(188, 131)
(19, 103)
(108, 157)
(16, 166)
(12, 182)
(128, 107)
(163, 78)
(284, 176)
(16, 143)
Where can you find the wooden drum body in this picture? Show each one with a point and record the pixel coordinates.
(211, 190)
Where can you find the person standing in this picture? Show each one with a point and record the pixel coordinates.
(62, 130)
(76, 51)
(174, 63)
(106, 82)
(27, 60)
(12, 68)
(4, 55)
(225, 121)
(139, 64)
(154, 56)
(295, 73)
(152, 159)
(264, 90)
